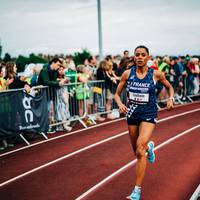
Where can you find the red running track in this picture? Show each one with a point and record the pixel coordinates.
(69, 178)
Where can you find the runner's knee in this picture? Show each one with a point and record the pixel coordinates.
(141, 150)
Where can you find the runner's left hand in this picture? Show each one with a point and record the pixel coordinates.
(170, 104)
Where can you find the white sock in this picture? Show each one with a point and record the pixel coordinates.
(137, 188)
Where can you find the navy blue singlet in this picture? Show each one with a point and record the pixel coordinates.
(141, 96)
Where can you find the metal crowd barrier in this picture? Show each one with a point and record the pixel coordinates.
(62, 106)
(23, 112)
(184, 89)
(79, 102)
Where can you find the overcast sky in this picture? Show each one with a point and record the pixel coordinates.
(66, 26)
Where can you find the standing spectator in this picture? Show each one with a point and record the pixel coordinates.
(3, 83)
(125, 63)
(172, 73)
(115, 67)
(190, 68)
(14, 81)
(91, 70)
(63, 113)
(178, 69)
(70, 63)
(48, 77)
(3, 87)
(91, 67)
(101, 75)
(111, 82)
(70, 72)
(153, 63)
(31, 73)
(126, 54)
(49, 74)
(83, 93)
(163, 67)
(196, 75)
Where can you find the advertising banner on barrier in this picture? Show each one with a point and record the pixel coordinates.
(21, 112)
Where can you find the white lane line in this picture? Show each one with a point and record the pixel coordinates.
(85, 129)
(178, 115)
(196, 194)
(125, 167)
(60, 136)
(84, 149)
(63, 157)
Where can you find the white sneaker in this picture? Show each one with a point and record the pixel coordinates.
(67, 128)
(135, 195)
(59, 128)
(110, 116)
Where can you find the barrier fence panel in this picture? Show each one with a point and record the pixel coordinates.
(21, 112)
(186, 88)
(77, 101)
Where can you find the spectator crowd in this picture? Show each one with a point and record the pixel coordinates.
(183, 72)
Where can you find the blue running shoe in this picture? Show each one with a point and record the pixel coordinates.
(150, 153)
(135, 195)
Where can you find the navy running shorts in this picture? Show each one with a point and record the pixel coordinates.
(136, 122)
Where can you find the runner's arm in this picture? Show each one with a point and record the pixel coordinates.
(122, 107)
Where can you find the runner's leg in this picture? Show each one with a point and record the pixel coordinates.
(134, 134)
(145, 133)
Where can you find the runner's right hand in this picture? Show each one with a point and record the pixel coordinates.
(123, 109)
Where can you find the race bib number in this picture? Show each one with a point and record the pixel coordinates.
(142, 98)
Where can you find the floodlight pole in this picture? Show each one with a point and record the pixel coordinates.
(100, 29)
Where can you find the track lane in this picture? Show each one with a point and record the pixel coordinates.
(52, 138)
(68, 169)
(169, 178)
(28, 160)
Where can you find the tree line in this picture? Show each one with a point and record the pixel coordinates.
(22, 61)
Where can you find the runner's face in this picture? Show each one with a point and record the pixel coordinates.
(141, 57)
